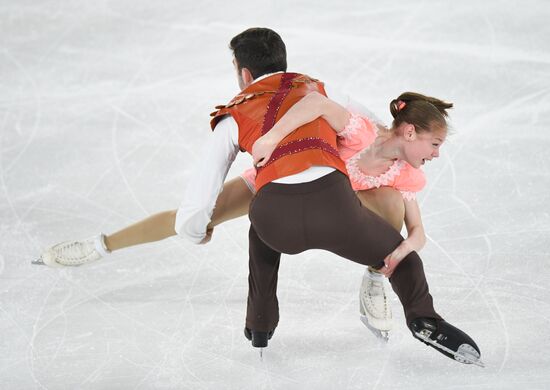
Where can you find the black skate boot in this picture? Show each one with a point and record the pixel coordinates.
(447, 339)
(259, 339)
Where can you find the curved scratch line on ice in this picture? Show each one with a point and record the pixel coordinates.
(478, 123)
(35, 332)
(117, 160)
(4, 185)
(506, 336)
(38, 116)
(186, 311)
(408, 44)
(98, 369)
(528, 287)
(97, 298)
(486, 119)
(484, 298)
(3, 170)
(488, 244)
(19, 327)
(383, 369)
(156, 151)
(462, 271)
(404, 27)
(100, 177)
(118, 110)
(119, 167)
(63, 314)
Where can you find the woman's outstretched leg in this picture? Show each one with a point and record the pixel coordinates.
(232, 202)
(153, 228)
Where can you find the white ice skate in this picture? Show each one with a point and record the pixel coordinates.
(374, 307)
(74, 253)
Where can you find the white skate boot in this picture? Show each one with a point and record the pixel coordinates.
(73, 253)
(374, 306)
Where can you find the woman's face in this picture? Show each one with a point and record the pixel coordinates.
(424, 147)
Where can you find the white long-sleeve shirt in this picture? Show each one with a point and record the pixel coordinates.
(219, 152)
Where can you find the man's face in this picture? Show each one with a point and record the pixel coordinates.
(239, 75)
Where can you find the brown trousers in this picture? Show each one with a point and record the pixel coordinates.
(323, 214)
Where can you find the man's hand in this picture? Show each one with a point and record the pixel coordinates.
(208, 237)
(262, 150)
(393, 259)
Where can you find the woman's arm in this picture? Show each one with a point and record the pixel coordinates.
(416, 238)
(309, 108)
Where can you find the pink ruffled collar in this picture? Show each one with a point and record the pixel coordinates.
(384, 179)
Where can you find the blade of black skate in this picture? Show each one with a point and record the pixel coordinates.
(471, 360)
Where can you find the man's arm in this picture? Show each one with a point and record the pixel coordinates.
(206, 182)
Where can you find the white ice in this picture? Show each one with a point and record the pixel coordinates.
(103, 105)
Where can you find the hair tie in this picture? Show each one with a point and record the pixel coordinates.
(400, 105)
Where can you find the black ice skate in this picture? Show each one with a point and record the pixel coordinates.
(259, 339)
(447, 339)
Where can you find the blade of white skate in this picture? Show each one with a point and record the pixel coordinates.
(469, 358)
(38, 261)
(383, 335)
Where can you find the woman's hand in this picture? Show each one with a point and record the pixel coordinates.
(262, 150)
(393, 259)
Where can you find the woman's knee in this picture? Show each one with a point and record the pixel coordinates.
(387, 203)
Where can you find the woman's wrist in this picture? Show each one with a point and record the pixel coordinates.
(406, 247)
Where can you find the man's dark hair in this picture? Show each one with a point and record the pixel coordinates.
(260, 50)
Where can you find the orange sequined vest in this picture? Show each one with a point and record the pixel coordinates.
(260, 105)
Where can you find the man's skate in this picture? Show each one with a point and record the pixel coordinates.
(74, 253)
(259, 339)
(374, 307)
(447, 339)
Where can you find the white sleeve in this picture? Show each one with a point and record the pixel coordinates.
(350, 104)
(206, 181)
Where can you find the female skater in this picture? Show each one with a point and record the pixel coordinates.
(383, 166)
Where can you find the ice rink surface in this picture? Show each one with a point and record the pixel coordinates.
(103, 108)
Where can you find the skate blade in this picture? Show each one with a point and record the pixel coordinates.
(38, 261)
(383, 335)
(466, 354)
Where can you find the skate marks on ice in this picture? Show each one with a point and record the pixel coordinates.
(56, 74)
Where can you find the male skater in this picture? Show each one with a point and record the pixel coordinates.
(304, 199)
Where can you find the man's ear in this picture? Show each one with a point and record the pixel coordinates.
(246, 76)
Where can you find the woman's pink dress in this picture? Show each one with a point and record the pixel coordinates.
(358, 135)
